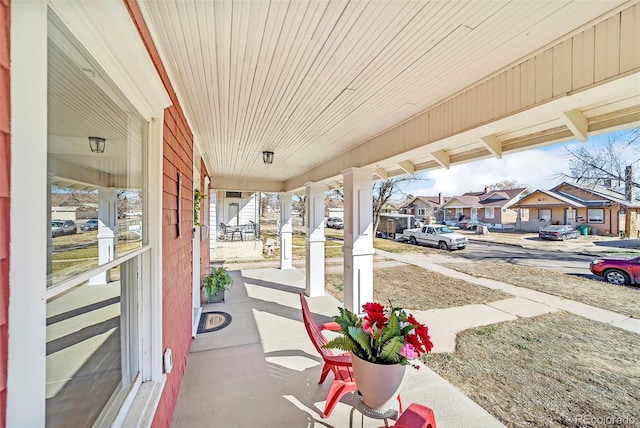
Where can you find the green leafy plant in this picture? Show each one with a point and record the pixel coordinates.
(198, 197)
(218, 279)
(382, 335)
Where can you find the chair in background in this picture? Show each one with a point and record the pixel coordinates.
(224, 232)
(339, 365)
(249, 231)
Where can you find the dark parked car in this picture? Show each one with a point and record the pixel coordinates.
(469, 224)
(617, 271)
(91, 224)
(63, 227)
(559, 232)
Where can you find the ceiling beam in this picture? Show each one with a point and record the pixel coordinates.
(577, 123)
(382, 173)
(442, 158)
(407, 166)
(493, 144)
(334, 185)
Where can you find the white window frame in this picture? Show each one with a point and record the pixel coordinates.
(422, 211)
(120, 51)
(592, 220)
(489, 212)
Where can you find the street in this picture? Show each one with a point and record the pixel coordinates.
(565, 262)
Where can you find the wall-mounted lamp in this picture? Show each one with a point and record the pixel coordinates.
(267, 157)
(96, 144)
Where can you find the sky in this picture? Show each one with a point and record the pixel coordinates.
(536, 168)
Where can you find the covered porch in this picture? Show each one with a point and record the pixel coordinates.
(262, 369)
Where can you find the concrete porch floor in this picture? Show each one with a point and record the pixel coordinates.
(262, 370)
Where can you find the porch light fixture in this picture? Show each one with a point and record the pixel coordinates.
(96, 144)
(267, 157)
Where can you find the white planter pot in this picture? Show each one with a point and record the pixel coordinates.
(379, 384)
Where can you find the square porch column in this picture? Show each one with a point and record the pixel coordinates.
(315, 239)
(107, 232)
(286, 231)
(358, 238)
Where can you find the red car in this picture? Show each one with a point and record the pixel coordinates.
(619, 271)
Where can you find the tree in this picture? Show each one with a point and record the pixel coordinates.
(507, 184)
(386, 190)
(606, 163)
(298, 203)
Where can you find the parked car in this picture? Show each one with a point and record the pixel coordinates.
(469, 224)
(437, 236)
(91, 224)
(618, 271)
(63, 227)
(559, 232)
(335, 223)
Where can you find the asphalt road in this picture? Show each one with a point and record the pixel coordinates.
(564, 262)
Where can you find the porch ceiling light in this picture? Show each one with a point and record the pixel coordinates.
(267, 157)
(96, 144)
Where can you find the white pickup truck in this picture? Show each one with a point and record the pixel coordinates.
(437, 236)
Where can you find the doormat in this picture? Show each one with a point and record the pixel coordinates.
(212, 321)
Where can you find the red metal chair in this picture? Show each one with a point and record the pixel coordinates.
(340, 365)
(416, 416)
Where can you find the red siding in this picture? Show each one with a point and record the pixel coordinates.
(177, 251)
(5, 177)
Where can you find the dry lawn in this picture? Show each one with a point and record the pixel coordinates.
(549, 371)
(624, 300)
(412, 287)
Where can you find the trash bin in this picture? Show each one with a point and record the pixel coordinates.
(584, 229)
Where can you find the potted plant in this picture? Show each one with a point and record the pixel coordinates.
(382, 343)
(215, 283)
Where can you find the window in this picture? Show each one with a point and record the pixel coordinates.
(489, 212)
(422, 212)
(233, 194)
(544, 214)
(595, 215)
(92, 333)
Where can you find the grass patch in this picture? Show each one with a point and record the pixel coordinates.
(620, 299)
(400, 247)
(554, 370)
(412, 287)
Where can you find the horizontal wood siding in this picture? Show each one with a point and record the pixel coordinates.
(177, 251)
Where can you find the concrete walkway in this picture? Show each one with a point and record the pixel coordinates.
(445, 324)
(263, 371)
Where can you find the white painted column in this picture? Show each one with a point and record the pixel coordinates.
(107, 232)
(358, 238)
(286, 231)
(315, 239)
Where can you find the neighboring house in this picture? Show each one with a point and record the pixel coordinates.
(64, 213)
(605, 211)
(492, 207)
(427, 209)
(236, 209)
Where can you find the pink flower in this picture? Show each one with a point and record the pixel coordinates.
(409, 352)
(367, 326)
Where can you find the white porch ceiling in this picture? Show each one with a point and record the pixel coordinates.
(311, 80)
